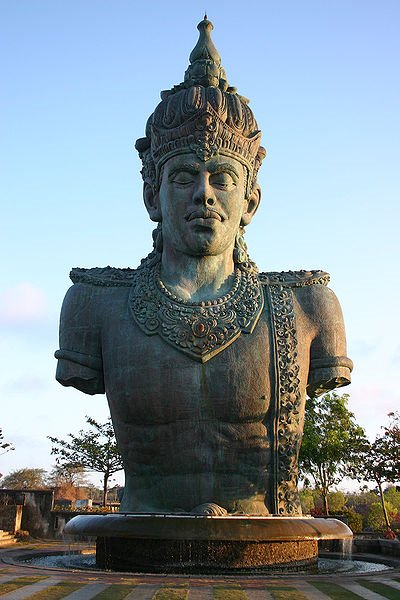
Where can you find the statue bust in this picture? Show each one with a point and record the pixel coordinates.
(205, 361)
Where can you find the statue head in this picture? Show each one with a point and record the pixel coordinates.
(205, 120)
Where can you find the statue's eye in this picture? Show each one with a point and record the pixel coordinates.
(223, 180)
(182, 178)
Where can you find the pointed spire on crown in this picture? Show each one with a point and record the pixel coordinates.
(205, 49)
(205, 65)
(205, 62)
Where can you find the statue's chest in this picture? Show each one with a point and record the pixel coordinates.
(157, 383)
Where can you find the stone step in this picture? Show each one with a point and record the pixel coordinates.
(6, 539)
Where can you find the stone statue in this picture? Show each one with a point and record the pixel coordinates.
(205, 361)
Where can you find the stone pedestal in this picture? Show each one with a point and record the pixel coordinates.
(197, 544)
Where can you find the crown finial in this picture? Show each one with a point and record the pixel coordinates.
(205, 62)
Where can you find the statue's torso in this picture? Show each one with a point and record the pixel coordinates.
(202, 426)
(192, 433)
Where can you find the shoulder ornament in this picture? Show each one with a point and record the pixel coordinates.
(295, 278)
(103, 276)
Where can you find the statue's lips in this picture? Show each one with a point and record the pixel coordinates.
(204, 214)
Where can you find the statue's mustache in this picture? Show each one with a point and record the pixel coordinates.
(205, 213)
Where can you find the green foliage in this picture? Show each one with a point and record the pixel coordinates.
(361, 503)
(25, 479)
(94, 450)
(336, 502)
(330, 439)
(307, 500)
(362, 500)
(354, 520)
(68, 482)
(379, 460)
(72, 475)
(382, 590)
(392, 495)
(116, 591)
(337, 592)
(376, 518)
(311, 501)
(4, 446)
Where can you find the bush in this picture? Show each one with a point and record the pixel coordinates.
(336, 502)
(376, 519)
(354, 520)
(392, 495)
(307, 500)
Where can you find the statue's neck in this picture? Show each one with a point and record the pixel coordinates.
(197, 278)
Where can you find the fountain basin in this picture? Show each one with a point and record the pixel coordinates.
(194, 544)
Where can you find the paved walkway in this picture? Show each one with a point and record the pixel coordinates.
(20, 582)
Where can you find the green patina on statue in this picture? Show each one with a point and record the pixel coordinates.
(205, 361)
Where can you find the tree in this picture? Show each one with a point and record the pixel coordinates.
(362, 501)
(354, 520)
(307, 500)
(94, 450)
(4, 446)
(378, 519)
(330, 437)
(68, 482)
(392, 495)
(24, 478)
(337, 502)
(379, 461)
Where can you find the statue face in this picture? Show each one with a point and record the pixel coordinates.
(201, 204)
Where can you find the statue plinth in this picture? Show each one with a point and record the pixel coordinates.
(201, 544)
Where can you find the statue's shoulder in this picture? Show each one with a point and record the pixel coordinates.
(104, 276)
(295, 279)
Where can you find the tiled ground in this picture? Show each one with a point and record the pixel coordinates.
(18, 582)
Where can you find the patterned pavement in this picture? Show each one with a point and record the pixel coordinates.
(20, 582)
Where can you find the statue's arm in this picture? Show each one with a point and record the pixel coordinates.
(330, 367)
(79, 357)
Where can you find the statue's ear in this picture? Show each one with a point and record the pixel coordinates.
(152, 202)
(252, 204)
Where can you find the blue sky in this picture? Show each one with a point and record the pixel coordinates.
(80, 79)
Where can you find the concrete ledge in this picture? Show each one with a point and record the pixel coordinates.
(191, 527)
(377, 546)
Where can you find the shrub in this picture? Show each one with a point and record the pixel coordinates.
(307, 500)
(354, 520)
(336, 502)
(376, 520)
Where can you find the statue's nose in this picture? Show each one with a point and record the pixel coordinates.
(204, 193)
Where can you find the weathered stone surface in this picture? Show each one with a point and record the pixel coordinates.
(205, 361)
(205, 556)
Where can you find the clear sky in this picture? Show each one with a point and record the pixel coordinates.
(79, 80)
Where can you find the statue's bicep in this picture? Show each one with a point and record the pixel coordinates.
(329, 366)
(79, 357)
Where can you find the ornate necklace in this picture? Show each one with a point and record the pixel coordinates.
(199, 329)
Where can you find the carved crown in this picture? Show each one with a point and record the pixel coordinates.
(203, 115)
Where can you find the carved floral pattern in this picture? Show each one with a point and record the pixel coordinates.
(288, 430)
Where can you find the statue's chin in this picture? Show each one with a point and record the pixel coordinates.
(205, 241)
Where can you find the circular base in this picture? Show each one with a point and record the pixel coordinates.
(202, 556)
(195, 544)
